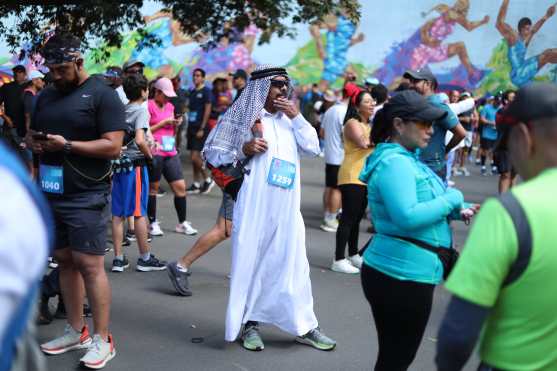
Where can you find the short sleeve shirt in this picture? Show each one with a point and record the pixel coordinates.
(489, 113)
(198, 100)
(84, 114)
(332, 124)
(157, 115)
(434, 154)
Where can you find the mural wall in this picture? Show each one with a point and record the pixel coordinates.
(464, 42)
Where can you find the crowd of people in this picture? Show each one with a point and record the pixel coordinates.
(96, 147)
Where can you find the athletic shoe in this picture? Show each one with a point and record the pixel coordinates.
(153, 264)
(186, 228)
(155, 229)
(356, 261)
(126, 241)
(493, 169)
(206, 187)
(52, 263)
(119, 265)
(71, 340)
(478, 161)
(251, 340)
(457, 172)
(131, 236)
(483, 171)
(107, 249)
(329, 225)
(99, 353)
(465, 171)
(149, 237)
(450, 183)
(179, 279)
(344, 266)
(161, 193)
(193, 189)
(317, 339)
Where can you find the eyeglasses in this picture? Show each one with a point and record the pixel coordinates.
(280, 83)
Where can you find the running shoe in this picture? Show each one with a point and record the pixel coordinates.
(251, 340)
(153, 264)
(186, 228)
(317, 339)
(52, 263)
(193, 189)
(465, 171)
(126, 241)
(207, 186)
(344, 266)
(356, 261)
(119, 265)
(179, 279)
(99, 353)
(161, 193)
(155, 229)
(483, 171)
(329, 225)
(71, 340)
(130, 236)
(493, 169)
(478, 161)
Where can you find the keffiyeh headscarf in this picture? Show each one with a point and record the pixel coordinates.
(225, 141)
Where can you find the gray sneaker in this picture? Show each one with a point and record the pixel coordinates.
(317, 339)
(179, 279)
(250, 337)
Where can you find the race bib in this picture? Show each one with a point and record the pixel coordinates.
(51, 179)
(282, 174)
(192, 116)
(168, 143)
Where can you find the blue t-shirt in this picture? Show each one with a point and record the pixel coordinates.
(489, 113)
(197, 101)
(434, 154)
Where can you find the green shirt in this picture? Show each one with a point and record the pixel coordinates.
(521, 330)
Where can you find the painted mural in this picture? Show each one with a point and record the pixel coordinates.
(470, 44)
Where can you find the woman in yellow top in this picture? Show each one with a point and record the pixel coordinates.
(357, 146)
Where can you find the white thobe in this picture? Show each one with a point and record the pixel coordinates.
(270, 270)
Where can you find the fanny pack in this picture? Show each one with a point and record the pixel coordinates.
(230, 177)
(447, 256)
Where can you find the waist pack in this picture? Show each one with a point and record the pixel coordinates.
(447, 256)
(230, 177)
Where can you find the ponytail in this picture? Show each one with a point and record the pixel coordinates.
(382, 128)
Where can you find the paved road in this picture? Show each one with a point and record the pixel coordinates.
(153, 328)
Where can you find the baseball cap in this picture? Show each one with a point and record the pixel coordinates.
(131, 63)
(371, 81)
(466, 94)
(18, 68)
(421, 74)
(113, 72)
(534, 101)
(35, 75)
(240, 73)
(165, 85)
(411, 105)
(329, 96)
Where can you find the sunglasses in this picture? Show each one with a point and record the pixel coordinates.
(421, 124)
(280, 83)
(134, 70)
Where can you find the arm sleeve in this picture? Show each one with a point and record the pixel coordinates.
(458, 334)
(397, 184)
(306, 136)
(462, 106)
(110, 113)
(489, 252)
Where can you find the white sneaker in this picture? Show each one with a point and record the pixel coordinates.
(465, 171)
(155, 229)
(344, 266)
(71, 340)
(450, 183)
(329, 225)
(186, 228)
(356, 261)
(99, 353)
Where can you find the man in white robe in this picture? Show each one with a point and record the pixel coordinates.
(270, 271)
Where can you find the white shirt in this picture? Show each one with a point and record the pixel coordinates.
(332, 125)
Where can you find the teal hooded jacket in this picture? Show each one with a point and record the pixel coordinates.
(407, 199)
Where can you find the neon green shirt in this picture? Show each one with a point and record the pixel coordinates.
(521, 330)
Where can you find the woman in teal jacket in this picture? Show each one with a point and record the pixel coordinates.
(408, 201)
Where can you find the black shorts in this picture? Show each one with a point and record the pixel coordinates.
(169, 166)
(331, 175)
(487, 144)
(502, 161)
(194, 143)
(80, 222)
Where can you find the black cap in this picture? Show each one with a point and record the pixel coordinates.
(19, 68)
(534, 101)
(410, 105)
(421, 74)
(240, 73)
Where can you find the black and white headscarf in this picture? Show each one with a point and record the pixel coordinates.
(225, 141)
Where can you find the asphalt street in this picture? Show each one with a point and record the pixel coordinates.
(153, 328)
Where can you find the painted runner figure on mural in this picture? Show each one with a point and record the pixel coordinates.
(338, 39)
(524, 69)
(426, 45)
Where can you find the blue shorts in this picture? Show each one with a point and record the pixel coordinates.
(523, 74)
(130, 192)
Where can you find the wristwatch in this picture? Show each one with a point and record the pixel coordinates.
(67, 147)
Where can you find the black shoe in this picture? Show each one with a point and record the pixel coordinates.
(153, 264)
(120, 265)
(179, 279)
(161, 192)
(52, 263)
(126, 241)
(149, 237)
(206, 187)
(130, 236)
(193, 189)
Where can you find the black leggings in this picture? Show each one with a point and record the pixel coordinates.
(354, 203)
(401, 310)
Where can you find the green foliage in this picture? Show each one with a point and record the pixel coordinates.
(499, 77)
